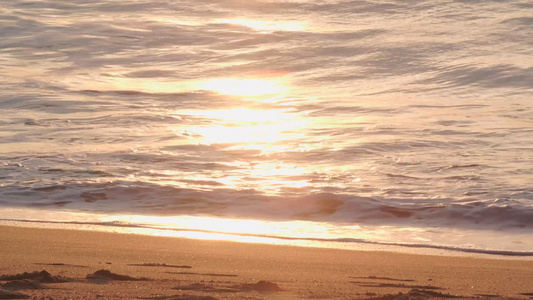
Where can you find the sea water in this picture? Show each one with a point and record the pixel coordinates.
(353, 122)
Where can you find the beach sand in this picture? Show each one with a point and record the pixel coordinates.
(96, 265)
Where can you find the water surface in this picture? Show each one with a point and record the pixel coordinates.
(346, 115)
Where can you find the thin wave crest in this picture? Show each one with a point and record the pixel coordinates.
(141, 197)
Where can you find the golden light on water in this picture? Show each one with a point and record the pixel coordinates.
(263, 87)
(244, 87)
(278, 169)
(206, 225)
(268, 130)
(252, 127)
(241, 114)
(258, 25)
(242, 134)
(248, 231)
(266, 26)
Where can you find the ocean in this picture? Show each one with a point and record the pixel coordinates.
(345, 122)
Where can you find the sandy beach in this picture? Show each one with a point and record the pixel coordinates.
(74, 264)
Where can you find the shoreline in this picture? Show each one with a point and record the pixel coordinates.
(177, 268)
(356, 244)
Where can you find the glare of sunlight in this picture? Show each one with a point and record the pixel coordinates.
(244, 87)
(115, 82)
(249, 126)
(266, 26)
(177, 22)
(275, 170)
(218, 237)
(241, 114)
(250, 231)
(268, 133)
(235, 226)
(269, 87)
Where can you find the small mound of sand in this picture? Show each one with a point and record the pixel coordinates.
(414, 294)
(262, 286)
(108, 275)
(42, 276)
(194, 286)
(24, 284)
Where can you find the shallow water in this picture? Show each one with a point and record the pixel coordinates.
(351, 115)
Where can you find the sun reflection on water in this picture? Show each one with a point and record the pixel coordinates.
(244, 87)
(258, 25)
(250, 128)
(208, 225)
(263, 88)
(266, 26)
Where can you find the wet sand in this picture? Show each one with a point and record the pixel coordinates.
(75, 264)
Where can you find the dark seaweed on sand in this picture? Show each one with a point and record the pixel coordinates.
(24, 284)
(12, 295)
(394, 285)
(61, 264)
(382, 278)
(42, 276)
(414, 294)
(182, 297)
(203, 274)
(159, 265)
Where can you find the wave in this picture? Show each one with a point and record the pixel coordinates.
(391, 118)
(211, 197)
